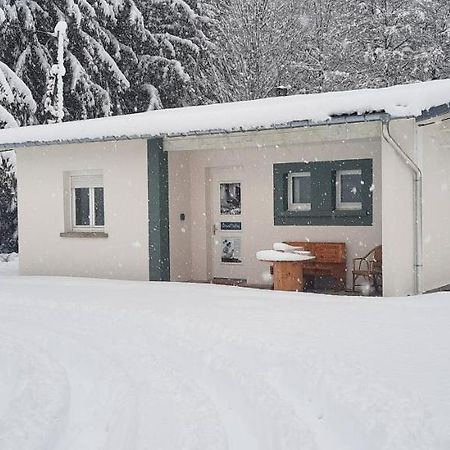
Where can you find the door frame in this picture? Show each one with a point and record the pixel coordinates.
(215, 177)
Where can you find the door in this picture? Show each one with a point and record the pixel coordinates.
(227, 200)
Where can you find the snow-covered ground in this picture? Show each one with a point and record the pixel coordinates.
(94, 364)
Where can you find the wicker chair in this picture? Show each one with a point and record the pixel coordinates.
(369, 267)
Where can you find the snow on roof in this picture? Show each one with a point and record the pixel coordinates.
(409, 100)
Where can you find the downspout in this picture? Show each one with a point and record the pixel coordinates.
(417, 193)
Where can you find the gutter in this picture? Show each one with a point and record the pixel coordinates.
(418, 197)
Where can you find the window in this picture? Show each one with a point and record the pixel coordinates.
(323, 193)
(299, 191)
(87, 202)
(349, 189)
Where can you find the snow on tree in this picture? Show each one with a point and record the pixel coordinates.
(321, 59)
(16, 107)
(123, 55)
(54, 101)
(16, 101)
(326, 45)
(391, 28)
(255, 40)
(433, 48)
(171, 59)
(8, 205)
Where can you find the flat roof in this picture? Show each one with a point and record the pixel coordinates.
(410, 100)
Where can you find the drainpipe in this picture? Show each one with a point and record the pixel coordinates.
(417, 193)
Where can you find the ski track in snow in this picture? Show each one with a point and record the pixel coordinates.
(148, 372)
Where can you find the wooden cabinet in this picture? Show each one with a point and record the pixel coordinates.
(330, 260)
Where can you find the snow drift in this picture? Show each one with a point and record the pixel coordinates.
(93, 364)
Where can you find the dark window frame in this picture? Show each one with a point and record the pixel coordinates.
(323, 194)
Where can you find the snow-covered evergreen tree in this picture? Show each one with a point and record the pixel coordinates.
(17, 105)
(123, 55)
(8, 205)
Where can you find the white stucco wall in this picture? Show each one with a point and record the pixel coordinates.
(435, 139)
(398, 213)
(124, 254)
(256, 153)
(180, 230)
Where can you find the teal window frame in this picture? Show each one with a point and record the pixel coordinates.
(323, 210)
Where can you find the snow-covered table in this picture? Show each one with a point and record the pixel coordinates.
(287, 268)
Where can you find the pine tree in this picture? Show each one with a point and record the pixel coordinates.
(123, 55)
(17, 105)
(172, 58)
(8, 205)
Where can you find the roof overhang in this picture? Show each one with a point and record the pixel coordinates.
(434, 114)
(336, 120)
(424, 102)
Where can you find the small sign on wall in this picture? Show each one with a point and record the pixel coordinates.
(231, 250)
(231, 226)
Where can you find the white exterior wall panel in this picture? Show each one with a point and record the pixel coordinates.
(180, 203)
(41, 196)
(436, 205)
(398, 213)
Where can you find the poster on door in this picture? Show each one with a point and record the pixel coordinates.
(231, 250)
(230, 199)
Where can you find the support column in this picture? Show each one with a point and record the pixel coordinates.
(158, 210)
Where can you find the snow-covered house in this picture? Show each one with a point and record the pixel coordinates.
(194, 193)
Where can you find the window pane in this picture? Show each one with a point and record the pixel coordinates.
(99, 207)
(351, 188)
(82, 206)
(301, 189)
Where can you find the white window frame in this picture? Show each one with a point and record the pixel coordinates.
(292, 206)
(340, 205)
(86, 181)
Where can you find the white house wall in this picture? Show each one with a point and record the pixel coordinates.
(436, 204)
(180, 230)
(124, 254)
(256, 154)
(398, 213)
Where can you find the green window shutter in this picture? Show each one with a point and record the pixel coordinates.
(323, 194)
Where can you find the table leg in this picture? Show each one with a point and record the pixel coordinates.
(288, 276)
